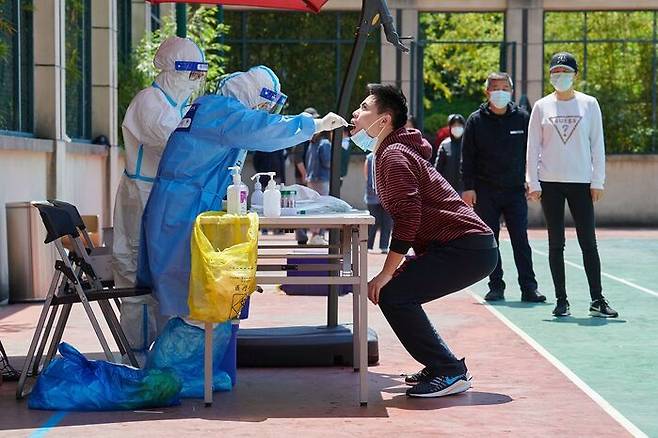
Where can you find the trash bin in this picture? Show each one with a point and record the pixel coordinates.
(31, 262)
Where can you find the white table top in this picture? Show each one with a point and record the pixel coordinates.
(357, 217)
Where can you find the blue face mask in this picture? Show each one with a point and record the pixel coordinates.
(363, 140)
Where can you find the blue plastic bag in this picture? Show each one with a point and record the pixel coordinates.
(180, 347)
(75, 383)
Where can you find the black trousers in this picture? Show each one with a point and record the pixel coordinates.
(442, 270)
(578, 196)
(383, 222)
(491, 203)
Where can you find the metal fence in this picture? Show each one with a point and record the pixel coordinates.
(617, 55)
(506, 61)
(308, 52)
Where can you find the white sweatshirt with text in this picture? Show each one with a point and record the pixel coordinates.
(565, 142)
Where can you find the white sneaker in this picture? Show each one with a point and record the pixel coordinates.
(318, 240)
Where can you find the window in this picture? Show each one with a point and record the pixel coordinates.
(78, 68)
(124, 27)
(16, 66)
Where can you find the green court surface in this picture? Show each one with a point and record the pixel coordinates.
(617, 358)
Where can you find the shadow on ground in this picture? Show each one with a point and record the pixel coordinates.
(262, 394)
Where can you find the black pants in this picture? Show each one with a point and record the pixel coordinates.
(442, 270)
(580, 203)
(383, 222)
(512, 204)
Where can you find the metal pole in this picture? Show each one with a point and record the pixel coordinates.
(524, 54)
(181, 20)
(336, 146)
(420, 113)
(585, 47)
(653, 86)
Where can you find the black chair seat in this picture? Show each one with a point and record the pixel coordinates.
(105, 294)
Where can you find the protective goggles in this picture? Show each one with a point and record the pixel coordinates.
(278, 100)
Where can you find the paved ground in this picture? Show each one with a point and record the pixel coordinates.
(517, 391)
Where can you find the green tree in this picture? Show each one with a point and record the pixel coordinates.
(461, 49)
(615, 52)
(203, 27)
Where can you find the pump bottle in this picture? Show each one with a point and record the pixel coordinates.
(272, 198)
(236, 194)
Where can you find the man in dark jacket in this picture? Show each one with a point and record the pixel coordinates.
(493, 171)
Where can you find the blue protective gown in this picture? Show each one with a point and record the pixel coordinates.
(193, 177)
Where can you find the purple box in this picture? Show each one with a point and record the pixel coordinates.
(311, 289)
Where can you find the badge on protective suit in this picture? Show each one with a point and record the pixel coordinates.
(186, 123)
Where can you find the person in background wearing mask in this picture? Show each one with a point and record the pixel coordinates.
(318, 166)
(493, 171)
(566, 162)
(383, 220)
(454, 247)
(449, 159)
(299, 160)
(151, 117)
(193, 175)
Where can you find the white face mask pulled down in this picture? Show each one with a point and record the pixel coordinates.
(364, 140)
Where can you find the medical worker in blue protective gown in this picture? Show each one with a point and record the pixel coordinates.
(193, 177)
(152, 116)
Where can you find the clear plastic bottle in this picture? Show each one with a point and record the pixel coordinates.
(236, 194)
(257, 195)
(272, 198)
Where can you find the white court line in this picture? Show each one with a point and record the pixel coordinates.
(595, 396)
(612, 277)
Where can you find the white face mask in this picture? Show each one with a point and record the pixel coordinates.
(562, 81)
(457, 131)
(500, 98)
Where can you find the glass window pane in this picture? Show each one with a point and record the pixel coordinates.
(8, 66)
(16, 66)
(27, 68)
(78, 65)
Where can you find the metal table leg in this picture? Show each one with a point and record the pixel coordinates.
(356, 294)
(363, 314)
(207, 368)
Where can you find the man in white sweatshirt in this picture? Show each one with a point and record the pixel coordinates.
(566, 162)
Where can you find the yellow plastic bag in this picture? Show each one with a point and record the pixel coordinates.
(223, 271)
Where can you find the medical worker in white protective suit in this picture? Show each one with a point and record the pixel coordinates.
(152, 116)
(215, 133)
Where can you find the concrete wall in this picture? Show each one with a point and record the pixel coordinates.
(28, 173)
(630, 197)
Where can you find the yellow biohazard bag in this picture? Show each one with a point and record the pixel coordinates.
(223, 272)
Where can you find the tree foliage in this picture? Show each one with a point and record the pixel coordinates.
(203, 27)
(616, 53)
(309, 52)
(461, 49)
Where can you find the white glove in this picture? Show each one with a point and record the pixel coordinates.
(329, 122)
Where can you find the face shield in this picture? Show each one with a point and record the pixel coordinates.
(274, 102)
(197, 74)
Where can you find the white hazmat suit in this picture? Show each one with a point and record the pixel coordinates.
(152, 116)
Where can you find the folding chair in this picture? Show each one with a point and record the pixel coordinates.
(74, 281)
